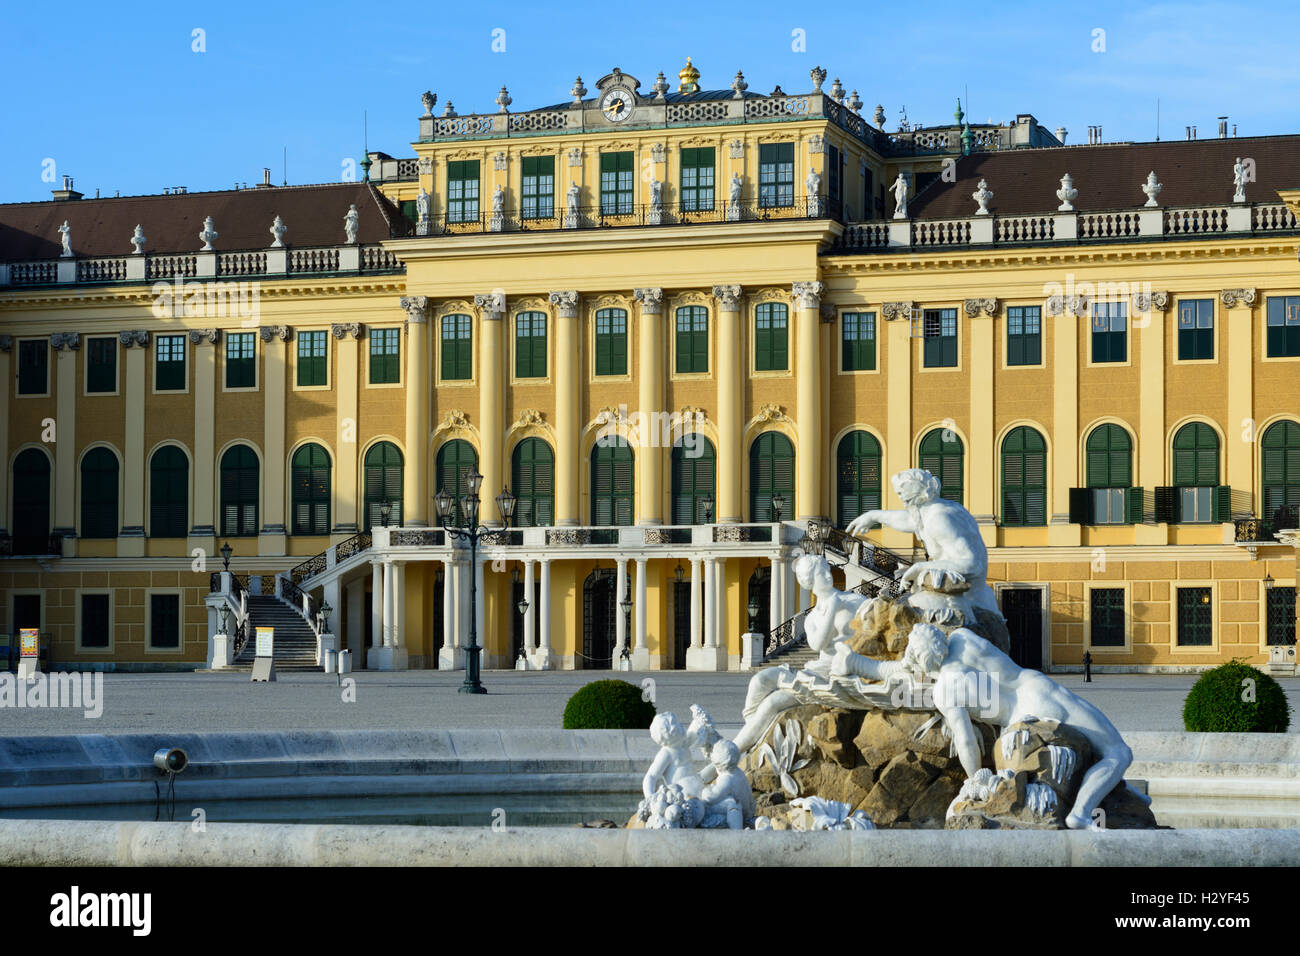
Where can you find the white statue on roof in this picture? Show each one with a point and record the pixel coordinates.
(208, 235)
(1152, 188)
(66, 233)
(982, 195)
(900, 196)
(1239, 180)
(137, 241)
(278, 229)
(352, 224)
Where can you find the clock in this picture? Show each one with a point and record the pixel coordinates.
(617, 105)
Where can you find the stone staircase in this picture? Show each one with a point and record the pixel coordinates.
(295, 642)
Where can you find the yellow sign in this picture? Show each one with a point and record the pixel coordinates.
(265, 641)
(30, 638)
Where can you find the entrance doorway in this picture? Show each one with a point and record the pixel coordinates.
(1023, 609)
(681, 622)
(599, 605)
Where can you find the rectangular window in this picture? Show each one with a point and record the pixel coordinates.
(697, 179)
(101, 365)
(1195, 617)
(776, 174)
(1196, 329)
(537, 188)
(530, 345)
(1109, 332)
(834, 179)
(1025, 335)
(858, 351)
(615, 184)
(462, 190)
(1107, 617)
(1283, 326)
(241, 360)
(169, 363)
(771, 337)
(313, 351)
(1280, 610)
(457, 348)
(33, 367)
(692, 339)
(940, 332)
(611, 342)
(94, 620)
(1196, 504)
(867, 189)
(165, 621)
(1108, 506)
(385, 356)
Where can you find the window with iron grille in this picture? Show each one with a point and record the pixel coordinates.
(1024, 335)
(776, 174)
(385, 356)
(165, 621)
(943, 455)
(457, 348)
(1283, 326)
(241, 359)
(33, 367)
(101, 365)
(1106, 617)
(772, 337)
(1024, 478)
(240, 490)
(611, 342)
(95, 614)
(310, 489)
(530, 345)
(169, 363)
(1109, 332)
(462, 190)
(697, 179)
(858, 341)
(1195, 329)
(616, 196)
(692, 339)
(1195, 617)
(940, 333)
(169, 493)
(313, 354)
(537, 187)
(1280, 615)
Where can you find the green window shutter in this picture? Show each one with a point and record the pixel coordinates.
(313, 351)
(99, 478)
(101, 368)
(771, 464)
(1133, 504)
(858, 470)
(241, 360)
(1024, 478)
(33, 367)
(383, 484)
(310, 484)
(1166, 504)
(1222, 503)
(532, 475)
(169, 477)
(169, 363)
(1081, 506)
(944, 460)
(164, 621)
(240, 491)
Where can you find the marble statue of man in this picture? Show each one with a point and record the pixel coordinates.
(65, 232)
(571, 200)
(958, 560)
(900, 196)
(656, 193)
(351, 224)
(498, 200)
(1238, 181)
(422, 205)
(813, 183)
(737, 184)
(1018, 694)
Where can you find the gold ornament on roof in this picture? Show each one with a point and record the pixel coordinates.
(688, 78)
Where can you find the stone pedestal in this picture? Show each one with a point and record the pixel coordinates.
(541, 660)
(326, 642)
(223, 651)
(641, 659)
(706, 659)
(451, 659)
(751, 649)
(387, 659)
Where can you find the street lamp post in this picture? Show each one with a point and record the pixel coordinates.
(226, 552)
(778, 505)
(471, 531)
(626, 605)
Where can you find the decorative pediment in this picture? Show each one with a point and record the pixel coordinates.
(691, 298)
(530, 303)
(769, 412)
(693, 141)
(465, 154)
(537, 151)
(454, 307)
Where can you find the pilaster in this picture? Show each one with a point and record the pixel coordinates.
(1238, 340)
(726, 354)
(347, 345)
(808, 384)
(415, 470)
(203, 530)
(650, 395)
(272, 537)
(491, 397)
(981, 320)
(568, 392)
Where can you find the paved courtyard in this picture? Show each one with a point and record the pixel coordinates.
(428, 699)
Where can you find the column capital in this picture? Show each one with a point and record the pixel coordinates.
(132, 337)
(567, 300)
(1234, 297)
(808, 294)
(651, 300)
(281, 332)
(896, 310)
(728, 297)
(70, 339)
(492, 305)
(341, 330)
(415, 306)
(827, 312)
(199, 336)
(1146, 301)
(1076, 304)
(974, 307)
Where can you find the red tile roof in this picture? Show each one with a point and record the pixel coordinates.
(172, 223)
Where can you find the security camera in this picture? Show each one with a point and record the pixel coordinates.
(171, 760)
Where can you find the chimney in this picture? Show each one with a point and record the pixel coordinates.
(1098, 135)
(1189, 132)
(1234, 129)
(1223, 127)
(167, 190)
(1193, 132)
(266, 178)
(67, 192)
(1061, 134)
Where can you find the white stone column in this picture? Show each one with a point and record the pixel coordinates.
(710, 601)
(774, 596)
(530, 631)
(400, 654)
(720, 603)
(620, 621)
(388, 604)
(697, 633)
(450, 656)
(640, 652)
(708, 656)
(542, 658)
(376, 614)
(479, 617)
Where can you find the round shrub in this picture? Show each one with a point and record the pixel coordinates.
(1215, 703)
(608, 705)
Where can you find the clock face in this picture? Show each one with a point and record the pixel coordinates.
(616, 105)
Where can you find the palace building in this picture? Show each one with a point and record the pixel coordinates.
(691, 331)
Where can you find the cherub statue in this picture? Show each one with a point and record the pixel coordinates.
(674, 763)
(729, 800)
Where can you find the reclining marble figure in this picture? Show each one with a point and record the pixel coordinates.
(1019, 694)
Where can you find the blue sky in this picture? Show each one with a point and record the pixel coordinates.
(115, 95)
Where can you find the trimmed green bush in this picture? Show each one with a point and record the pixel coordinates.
(1219, 702)
(608, 705)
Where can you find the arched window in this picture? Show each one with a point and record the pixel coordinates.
(942, 455)
(99, 494)
(383, 485)
(1109, 454)
(169, 493)
(240, 491)
(694, 466)
(771, 473)
(310, 484)
(532, 477)
(31, 502)
(857, 469)
(455, 460)
(1024, 478)
(1280, 448)
(611, 482)
(1196, 495)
